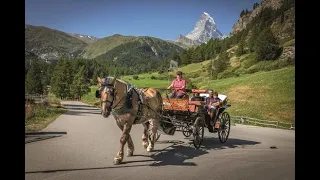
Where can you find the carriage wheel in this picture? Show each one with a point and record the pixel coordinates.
(198, 132)
(224, 130)
(187, 130)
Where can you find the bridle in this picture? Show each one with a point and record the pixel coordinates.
(109, 88)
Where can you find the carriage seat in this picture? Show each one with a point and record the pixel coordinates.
(223, 98)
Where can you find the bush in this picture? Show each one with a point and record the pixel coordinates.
(135, 77)
(153, 77)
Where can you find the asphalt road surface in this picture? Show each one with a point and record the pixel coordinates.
(81, 144)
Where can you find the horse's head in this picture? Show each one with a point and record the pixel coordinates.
(107, 94)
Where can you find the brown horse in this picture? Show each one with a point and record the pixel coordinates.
(130, 105)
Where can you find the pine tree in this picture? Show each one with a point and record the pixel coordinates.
(253, 39)
(34, 78)
(240, 51)
(267, 47)
(79, 86)
(62, 78)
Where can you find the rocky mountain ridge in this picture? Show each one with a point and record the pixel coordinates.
(204, 30)
(247, 18)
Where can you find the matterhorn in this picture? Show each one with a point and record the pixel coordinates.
(204, 30)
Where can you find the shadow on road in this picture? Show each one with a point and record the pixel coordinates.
(78, 106)
(43, 133)
(82, 113)
(175, 154)
(40, 136)
(86, 169)
(178, 153)
(211, 143)
(81, 108)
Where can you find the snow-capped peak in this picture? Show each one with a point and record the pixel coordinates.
(205, 29)
(206, 14)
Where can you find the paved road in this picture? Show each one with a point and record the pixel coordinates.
(80, 145)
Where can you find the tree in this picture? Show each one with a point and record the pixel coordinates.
(267, 47)
(240, 51)
(62, 78)
(34, 78)
(253, 38)
(221, 63)
(242, 13)
(79, 86)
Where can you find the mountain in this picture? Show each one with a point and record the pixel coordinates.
(133, 53)
(248, 16)
(104, 45)
(186, 41)
(204, 30)
(49, 43)
(86, 38)
(139, 54)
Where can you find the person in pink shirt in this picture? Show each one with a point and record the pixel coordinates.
(179, 86)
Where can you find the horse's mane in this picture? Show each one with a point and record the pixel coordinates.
(110, 78)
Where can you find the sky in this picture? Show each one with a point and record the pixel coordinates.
(165, 19)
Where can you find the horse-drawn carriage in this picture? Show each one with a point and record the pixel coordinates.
(189, 116)
(130, 105)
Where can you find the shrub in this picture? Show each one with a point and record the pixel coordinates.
(135, 77)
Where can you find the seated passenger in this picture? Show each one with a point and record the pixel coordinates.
(212, 104)
(179, 86)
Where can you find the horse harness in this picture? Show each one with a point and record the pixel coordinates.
(128, 100)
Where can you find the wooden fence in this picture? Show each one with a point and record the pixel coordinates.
(265, 123)
(37, 98)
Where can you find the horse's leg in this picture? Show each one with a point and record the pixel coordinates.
(153, 132)
(130, 149)
(145, 135)
(125, 136)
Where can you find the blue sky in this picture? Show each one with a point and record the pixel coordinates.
(164, 19)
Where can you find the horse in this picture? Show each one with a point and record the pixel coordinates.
(130, 105)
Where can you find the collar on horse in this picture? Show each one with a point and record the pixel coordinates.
(127, 106)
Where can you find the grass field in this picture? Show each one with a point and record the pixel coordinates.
(266, 95)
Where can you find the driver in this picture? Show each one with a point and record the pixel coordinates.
(179, 86)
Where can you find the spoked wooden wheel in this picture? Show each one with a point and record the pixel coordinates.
(198, 132)
(186, 130)
(224, 129)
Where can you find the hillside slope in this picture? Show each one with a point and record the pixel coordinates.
(104, 45)
(268, 95)
(139, 54)
(50, 44)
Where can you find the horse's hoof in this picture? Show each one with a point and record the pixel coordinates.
(145, 145)
(129, 153)
(117, 161)
(149, 148)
